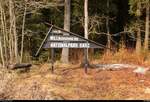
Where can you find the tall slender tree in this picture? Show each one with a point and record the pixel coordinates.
(86, 19)
(147, 27)
(1, 53)
(86, 31)
(65, 51)
(23, 28)
(107, 26)
(135, 9)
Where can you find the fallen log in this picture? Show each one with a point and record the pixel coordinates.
(19, 66)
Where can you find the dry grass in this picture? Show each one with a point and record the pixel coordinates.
(70, 81)
(126, 56)
(6, 81)
(101, 85)
(25, 86)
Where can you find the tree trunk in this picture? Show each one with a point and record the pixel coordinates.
(86, 22)
(146, 42)
(2, 37)
(15, 37)
(85, 62)
(13, 34)
(107, 27)
(22, 42)
(138, 42)
(67, 17)
(1, 52)
(11, 42)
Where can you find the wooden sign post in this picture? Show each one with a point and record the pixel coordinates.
(52, 60)
(55, 38)
(86, 59)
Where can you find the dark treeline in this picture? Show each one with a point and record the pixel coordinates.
(114, 23)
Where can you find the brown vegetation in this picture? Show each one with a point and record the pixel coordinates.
(70, 81)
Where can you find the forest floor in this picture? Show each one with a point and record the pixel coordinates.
(70, 82)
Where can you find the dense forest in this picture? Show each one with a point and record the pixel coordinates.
(114, 23)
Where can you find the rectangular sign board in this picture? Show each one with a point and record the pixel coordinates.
(59, 38)
(66, 45)
(67, 41)
(64, 38)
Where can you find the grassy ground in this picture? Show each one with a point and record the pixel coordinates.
(70, 82)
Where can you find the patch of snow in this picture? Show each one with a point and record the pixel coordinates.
(141, 70)
(147, 90)
(141, 81)
(116, 66)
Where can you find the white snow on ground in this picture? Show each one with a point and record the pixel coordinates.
(117, 66)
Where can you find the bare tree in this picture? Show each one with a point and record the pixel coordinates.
(107, 26)
(138, 41)
(9, 36)
(86, 20)
(13, 33)
(86, 32)
(146, 42)
(1, 52)
(2, 37)
(23, 27)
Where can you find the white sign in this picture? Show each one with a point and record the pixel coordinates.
(63, 38)
(69, 45)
